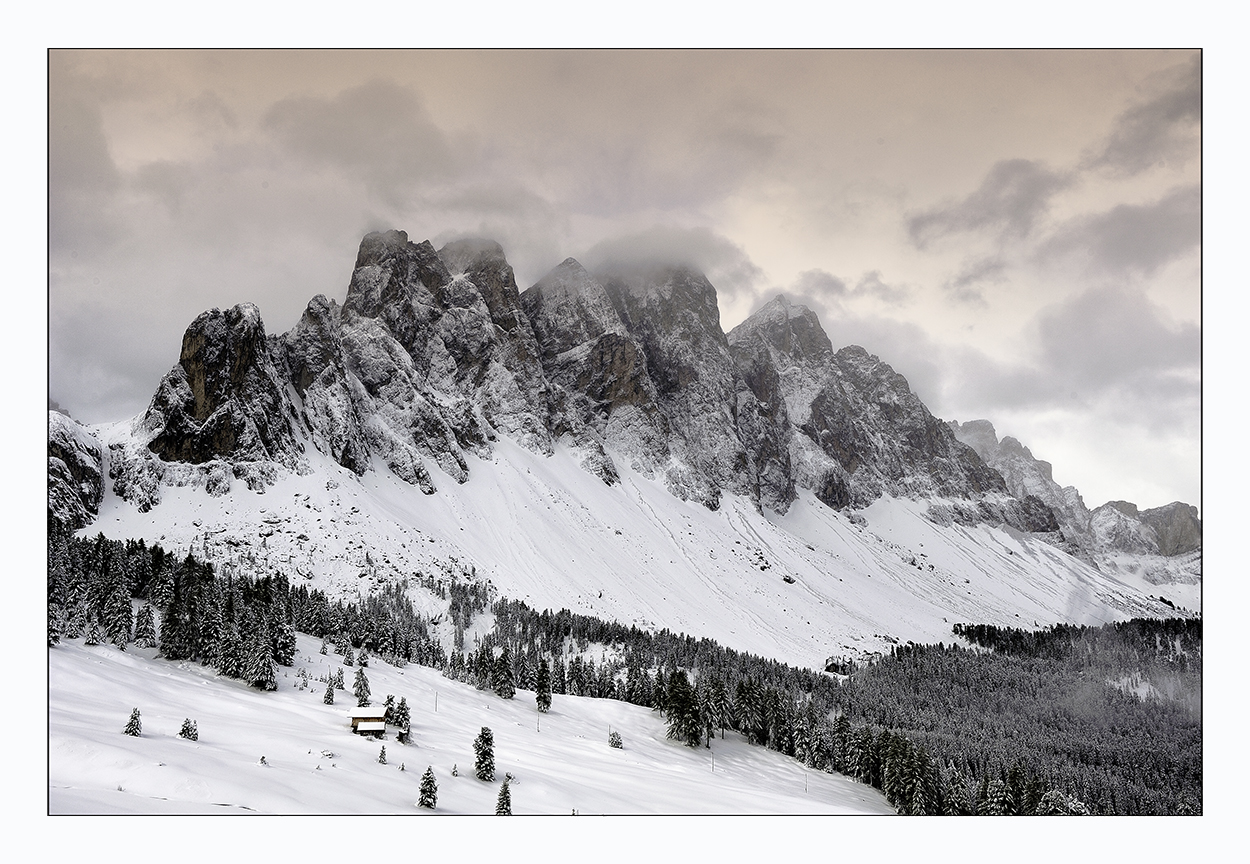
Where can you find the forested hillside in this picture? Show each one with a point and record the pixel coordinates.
(1064, 721)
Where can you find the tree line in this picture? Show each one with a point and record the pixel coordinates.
(999, 729)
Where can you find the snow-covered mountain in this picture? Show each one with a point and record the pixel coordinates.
(597, 443)
(1163, 545)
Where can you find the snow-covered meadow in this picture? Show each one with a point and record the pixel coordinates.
(315, 764)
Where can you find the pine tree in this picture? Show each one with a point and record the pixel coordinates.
(684, 723)
(382, 756)
(388, 706)
(284, 645)
(258, 669)
(145, 628)
(338, 679)
(135, 726)
(363, 658)
(542, 695)
(328, 699)
(93, 633)
(502, 680)
(361, 688)
(347, 658)
(484, 755)
(54, 625)
(503, 804)
(614, 740)
(230, 654)
(402, 717)
(189, 730)
(429, 789)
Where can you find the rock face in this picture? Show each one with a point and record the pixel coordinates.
(434, 354)
(226, 397)
(75, 476)
(853, 428)
(1112, 536)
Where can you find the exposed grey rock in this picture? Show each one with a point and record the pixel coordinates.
(75, 473)
(225, 398)
(1177, 527)
(1163, 544)
(856, 429)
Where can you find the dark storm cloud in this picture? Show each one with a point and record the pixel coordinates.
(1161, 129)
(1131, 237)
(1011, 199)
(725, 263)
(379, 132)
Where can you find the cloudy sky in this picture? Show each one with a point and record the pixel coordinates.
(1016, 232)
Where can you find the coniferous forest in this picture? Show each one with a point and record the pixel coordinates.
(1061, 721)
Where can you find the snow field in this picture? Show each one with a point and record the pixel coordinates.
(561, 761)
(548, 533)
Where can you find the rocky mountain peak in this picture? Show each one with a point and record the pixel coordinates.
(391, 272)
(792, 331)
(569, 307)
(225, 398)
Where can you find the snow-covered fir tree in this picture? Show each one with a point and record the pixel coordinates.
(542, 692)
(429, 789)
(145, 627)
(484, 755)
(258, 667)
(284, 645)
(360, 689)
(503, 804)
(503, 682)
(402, 717)
(189, 730)
(328, 699)
(134, 726)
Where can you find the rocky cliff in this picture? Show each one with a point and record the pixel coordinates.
(1115, 536)
(434, 354)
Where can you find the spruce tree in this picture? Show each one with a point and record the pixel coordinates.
(484, 754)
(328, 699)
(429, 789)
(258, 669)
(54, 625)
(382, 756)
(338, 679)
(189, 730)
(402, 717)
(682, 707)
(503, 804)
(284, 645)
(93, 633)
(389, 709)
(542, 695)
(502, 680)
(230, 653)
(363, 658)
(145, 628)
(361, 688)
(135, 726)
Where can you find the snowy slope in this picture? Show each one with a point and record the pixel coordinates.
(544, 531)
(561, 760)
